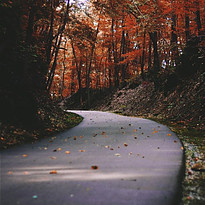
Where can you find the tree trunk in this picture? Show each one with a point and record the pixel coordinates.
(29, 31)
(78, 68)
(173, 33)
(198, 18)
(114, 51)
(110, 73)
(150, 55)
(123, 51)
(50, 35)
(187, 24)
(156, 65)
(90, 64)
(53, 68)
(64, 69)
(143, 56)
(174, 54)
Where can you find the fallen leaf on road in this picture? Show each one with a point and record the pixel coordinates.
(53, 157)
(67, 152)
(107, 146)
(53, 172)
(182, 148)
(125, 144)
(111, 149)
(74, 138)
(117, 154)
(95, 135)
(94, 167)
(59, 149)
(24, 155)
(10, 173)
(175, 141)
(154, 132)
(82, 150)
(81, 137)
(135, 130)
(130, 153)
(169, 135)
(25, 173)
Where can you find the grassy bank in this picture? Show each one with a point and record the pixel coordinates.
(193, 139)
(54, 122)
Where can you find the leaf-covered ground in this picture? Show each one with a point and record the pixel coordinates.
(53, 121)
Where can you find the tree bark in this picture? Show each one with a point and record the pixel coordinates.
(78, 68)
(143, 56)
(50, 35)
(187, 20)
(53, 68)
(114, 51)
(156, 65)
(29, 31)
(198, 18)
(150, 55)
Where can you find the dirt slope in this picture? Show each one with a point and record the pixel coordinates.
(185, 103)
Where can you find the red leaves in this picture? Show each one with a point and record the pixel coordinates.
(94, 167)
(53, 172)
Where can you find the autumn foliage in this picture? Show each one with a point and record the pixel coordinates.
(69, 46)
(105, 43)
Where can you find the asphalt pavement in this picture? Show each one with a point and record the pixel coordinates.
(107, 159)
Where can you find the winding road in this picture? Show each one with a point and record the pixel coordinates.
(107, 159)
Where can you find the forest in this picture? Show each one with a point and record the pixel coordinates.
(142, 58)
(52, 49)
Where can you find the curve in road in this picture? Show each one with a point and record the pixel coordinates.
(106, 160)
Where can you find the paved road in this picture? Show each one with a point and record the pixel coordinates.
(107, 160)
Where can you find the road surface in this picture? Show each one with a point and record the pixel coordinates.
(107, 159)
